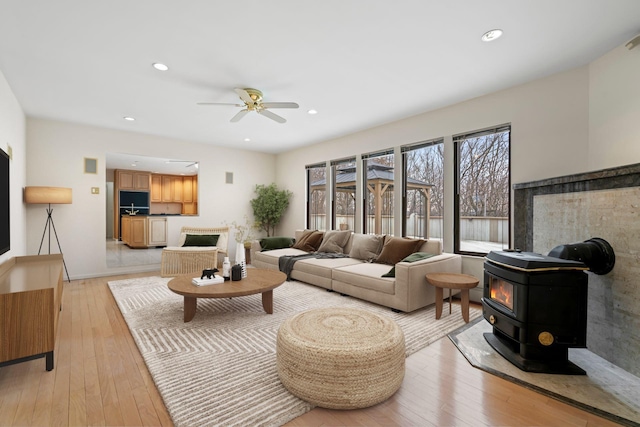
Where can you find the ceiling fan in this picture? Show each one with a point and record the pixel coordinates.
(252, 99)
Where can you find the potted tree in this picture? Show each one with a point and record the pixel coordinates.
(269, 206)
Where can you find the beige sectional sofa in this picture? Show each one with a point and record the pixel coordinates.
(407, 291)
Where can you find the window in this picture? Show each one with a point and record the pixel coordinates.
(316, 197)
(378, 192)
(423, 195)
(344, 194)
(482, 191)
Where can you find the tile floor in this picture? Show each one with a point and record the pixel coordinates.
(121, 255)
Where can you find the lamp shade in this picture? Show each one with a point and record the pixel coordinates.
(47, 195)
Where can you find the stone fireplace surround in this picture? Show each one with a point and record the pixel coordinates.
(574, 208)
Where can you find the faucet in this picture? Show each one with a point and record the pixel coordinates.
(132, 211)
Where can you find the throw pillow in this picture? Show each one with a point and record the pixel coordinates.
(366, 246)
(397, 248)
(416, 256)
(310, 241)
(201, 239)
(271, 243)
(302, 240)
(334, 241)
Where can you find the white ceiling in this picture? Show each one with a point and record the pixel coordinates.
(360, 63)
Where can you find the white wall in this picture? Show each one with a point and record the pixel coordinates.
(56, 152)
(549, 119)
(12, 133)
(614, 109)
(576, 121)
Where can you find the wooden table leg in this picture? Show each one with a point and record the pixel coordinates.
(439, 297)
(190, 304)
(464, 296)
(267, 301)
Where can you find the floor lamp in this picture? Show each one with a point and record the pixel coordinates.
(49, 196)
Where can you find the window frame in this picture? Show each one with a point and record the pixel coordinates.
(365, 188)
(334, 184)
(308, 169)
(407, 149)
(457, 139)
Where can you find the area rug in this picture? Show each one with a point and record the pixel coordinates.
(606, 390)
(220, 368)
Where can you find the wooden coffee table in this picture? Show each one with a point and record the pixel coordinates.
(464, 282)
(258, 280)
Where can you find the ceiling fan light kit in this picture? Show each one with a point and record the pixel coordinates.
(252, 99)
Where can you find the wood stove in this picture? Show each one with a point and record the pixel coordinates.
(537, 304)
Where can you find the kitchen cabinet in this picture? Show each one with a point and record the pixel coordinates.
(190, 195)
(125, 229)
(156, 188)
(177, 189)
(132, 180)
(157, 231)
(187, 189)
(144, 231)
(138, 236)
(167, 188)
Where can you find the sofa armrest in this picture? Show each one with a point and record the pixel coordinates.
(410, 276)
(255, 247)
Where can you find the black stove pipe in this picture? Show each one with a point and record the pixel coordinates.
(596, 253)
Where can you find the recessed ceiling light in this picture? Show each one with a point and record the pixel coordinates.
(160, 67)
(491, 35)
(247, 140)
(312, 112)
(129, 119)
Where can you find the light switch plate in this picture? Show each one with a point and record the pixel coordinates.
(95, 190)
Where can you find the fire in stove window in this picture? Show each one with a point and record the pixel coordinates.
(501, 292)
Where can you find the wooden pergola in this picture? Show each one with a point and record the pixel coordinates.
(379, 182)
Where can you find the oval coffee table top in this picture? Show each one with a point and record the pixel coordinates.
(452, 280)
(258, 280)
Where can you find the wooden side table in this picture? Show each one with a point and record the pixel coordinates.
(464, 282)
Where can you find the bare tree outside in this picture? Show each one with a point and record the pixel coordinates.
(424, 191)
(483, 192)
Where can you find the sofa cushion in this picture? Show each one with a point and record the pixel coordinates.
(396, 249)
(367, 276)
(322, 267)
(271, 243)
(334, 241)
(201, 239)
(310, 241)
(366, 246)
(416, 256)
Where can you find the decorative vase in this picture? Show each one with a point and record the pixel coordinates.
(240, 258)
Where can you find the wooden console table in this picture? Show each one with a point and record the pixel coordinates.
(30, 304)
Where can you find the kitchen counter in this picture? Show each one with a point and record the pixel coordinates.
(143, 231)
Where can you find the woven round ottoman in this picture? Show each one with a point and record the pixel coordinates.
(340, 358)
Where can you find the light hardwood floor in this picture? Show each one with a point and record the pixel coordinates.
(101, 379)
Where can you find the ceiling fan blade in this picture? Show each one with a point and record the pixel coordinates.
(220, 103)
(238, 116)
(244, 95)
(272, 116)
(280, 105)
